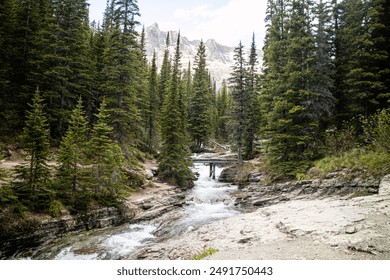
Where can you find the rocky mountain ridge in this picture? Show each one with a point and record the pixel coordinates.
(219, 57)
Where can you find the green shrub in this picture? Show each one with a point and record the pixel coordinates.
(367, 161)
(206, 253)
(377, 130)
(55, 208)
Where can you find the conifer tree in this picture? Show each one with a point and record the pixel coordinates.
(187, 85)
(252, 114)
(60, 64)
(200, 107)
(239, 97)
(34, 177)
(361, 86)
(222, 105)
(106, 158)
(165, 74)
(174, 159)
(142, 86)
(153, 112)
(122, 62)
(290, 89)
(72, 156)
(323, 75)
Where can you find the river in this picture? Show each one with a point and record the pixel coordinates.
(208, 201)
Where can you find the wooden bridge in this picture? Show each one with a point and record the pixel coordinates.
(212, 162)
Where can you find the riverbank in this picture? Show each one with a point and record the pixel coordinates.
(148, 202)
(335, 227)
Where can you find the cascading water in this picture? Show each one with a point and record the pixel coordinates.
(208, 201)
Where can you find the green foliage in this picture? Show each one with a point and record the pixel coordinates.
(152, 118)
(55, 208)
(366, 161)
(174, 159)
(206, 253)
(338, 141)
(377, 130)
(295, 97)
(200, 103)
(239, 98)
(345, 151)
(223, 104)
(106, 177)
(72, 154)
(33, 178)
(252, 107)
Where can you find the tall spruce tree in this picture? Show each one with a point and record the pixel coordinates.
(222, 105)
(361, 87)
(239, 96)
(200, 106)
(252, 108)
(153, 123)
(174, 159)
(107, 179)
(142, 87)
(289, 89)
(60, 63)
(322, 83)
(122, 60)
(33, 185)
(165, 74)
(72, 154)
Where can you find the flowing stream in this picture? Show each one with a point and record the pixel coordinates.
(208, 201)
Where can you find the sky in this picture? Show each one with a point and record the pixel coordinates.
(226, 21)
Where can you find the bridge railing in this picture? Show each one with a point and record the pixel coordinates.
(213, 162)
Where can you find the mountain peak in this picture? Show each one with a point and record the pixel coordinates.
(154, 26)
(219, 57)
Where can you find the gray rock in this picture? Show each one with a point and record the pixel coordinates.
(384, 187)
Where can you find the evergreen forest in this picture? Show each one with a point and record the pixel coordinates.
(85, 107)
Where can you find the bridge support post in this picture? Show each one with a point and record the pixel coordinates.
(212, 170)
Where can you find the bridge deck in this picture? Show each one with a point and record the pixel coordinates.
(213, 160)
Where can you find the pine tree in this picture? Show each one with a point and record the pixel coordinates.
(60, 63)
(361, 58)
(34, 177)
(152, 127)
(72, 157)
(222, 105)
(187, 89)
(21, 21)
(290, 88)
(200, 107)
(322, 78)
(240, 98)
(252, 108)
(142, 88)
(380, 14)
(165, 74)
(122, 60)
(174, 159)
(106, 158)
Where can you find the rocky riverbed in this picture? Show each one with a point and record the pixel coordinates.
(338, 217)
(295, 220)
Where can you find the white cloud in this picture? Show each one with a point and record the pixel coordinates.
(202, 11)
(229, 24)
